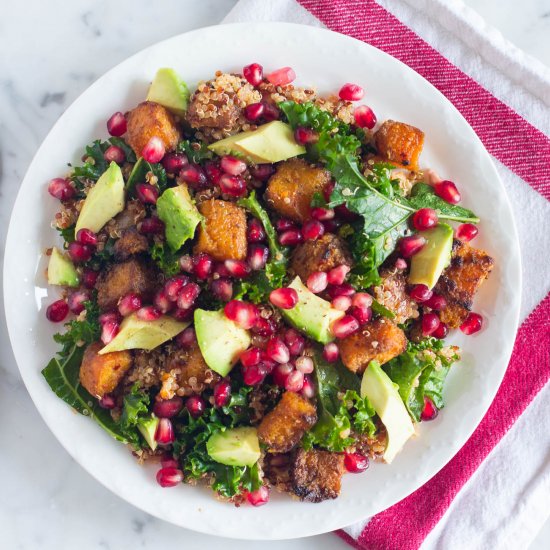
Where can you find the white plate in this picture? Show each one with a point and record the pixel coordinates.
(325, 60)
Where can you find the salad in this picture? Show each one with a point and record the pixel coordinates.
(257, 283)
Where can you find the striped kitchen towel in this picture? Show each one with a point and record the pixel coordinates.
(494, 492)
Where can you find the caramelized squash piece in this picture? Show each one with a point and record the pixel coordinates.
(399, 143)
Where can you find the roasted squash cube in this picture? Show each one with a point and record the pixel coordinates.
(399, 143)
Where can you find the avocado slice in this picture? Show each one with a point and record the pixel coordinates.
(148, 427)
(384, 396)
(61, 270)
(428, 264)
(271, 142)
(311, 315)
(137, 334)
(104, 201)
(170, 91)
(220, 340)
(180, 216)
(234, 447)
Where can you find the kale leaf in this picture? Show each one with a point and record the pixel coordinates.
(166, 260)
(135, 406)
(139, 174)
(196, 151)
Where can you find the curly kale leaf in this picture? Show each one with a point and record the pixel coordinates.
(196, 151)
(166, 260)
(142, 172)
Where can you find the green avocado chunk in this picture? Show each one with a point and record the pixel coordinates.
(104, 200)
(148, 427)
(428, 264)
(61, 270)
(137, 334)
(220, 340)
(271, 142)
(170, 91)
(235, 447)
(384, 397)
(180, 216)
(311, 315)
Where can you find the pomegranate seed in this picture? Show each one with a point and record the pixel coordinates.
(233, 166)
(328, 189)
(232, 185)
(292, 237)
(340, 290)
(255, 232)
(61, 189)
(116, 125)
(284, 298)
(345, 213)
(195, 405)
(361, 313)
(169, 462)
(331, 352)
(338, 275)
(186, 263)
(169, 477)
(304, 364)
(153, 150)
(284, 224)
(420, 293)
(341, 303)
(294, 381)
(165, 432)
(148, 313)
(193, 175)
(85, 236)
(277, 351)
(430, 322)
(222, 393)
(202, 265)
(361, 299)
(430, 411)
(447, 191)
(129, 304)
(308, 389)
(167, 408)
(183, 314)
(306, 136)
(250, 357)
(409, 246)
(271, 111)
(254, 111)
(220, 271)
(57, 311)
(187, 295)
(187, 338)
(79, 252)
(151, 226)
(257, 256)
(76, 300)
(441, 331)
(258, 497)
(244, 314)
(364, 117)
(294, 341)
(313, 230)
(161, 301)
(174, 162)
(466, 232)
(262, 171)
(147, 194)
(237, 268)
(254, 73)
(280, 374)
(281, 77)
(345, 326)
(114, 154)
(436, 302)
(317, 282)
(109, 317)
(322, 214)
(473, 324)
(264, 327)
(107, 402)
(400, 263)
(254, 375)
(213, 172)
(174, 285)
(425, 218)
(222, 289)
(109, 330)
(351, 92)
(355, 463)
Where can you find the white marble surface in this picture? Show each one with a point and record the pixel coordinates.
(49, 53)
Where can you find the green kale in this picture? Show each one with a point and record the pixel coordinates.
(196, 151)
(141, 173)
(67, 234)
(166, 260)
(381, 310)
(135, 406)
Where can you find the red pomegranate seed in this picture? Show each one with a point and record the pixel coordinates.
(355, 463)
(322, 214)
(165, 432)
(345, 213)
(312, 230)
(167, 461)
(420, 293)
(328, 189)
(466, 232)
(291, 237)
(257, 256)
(473, 324)
(237, 268)
(250, 357)
(400, 263)
(264, 327)
(284, 224)
(340, 290)
(213, 172)
(174, 285)
(148, 313)
(161, 301)
(232, 185)
(277, 351)
(441, 331)
(306, 136)
(345, 326)
(195, 405)
(85, 236)
(76, 300)
(222, 289)
(187, 295)
(147, 194)
(361, 299)
(425, 218)
(308, 389)
(186, 263)
(107, 402)
(169, 477)
(294, 381)
(271, 111)
(187, 338)
(430, 322)
(255, 232)
(222, 393)
(409, 246)
(447, 191)
(232, 165)
(57, 311)
(361, 313)
(167, 408)
(244, 314)
(294, 341)
(280, 374)
(109, 317)
(304, 364)
(116, 125)
(364, 117)
(436, 302)
(182, 314)
(341, 303)
(254, 111)
(430, 411)
(79, 252)
(331, 352)
(174, 162)
(351, 92)
(254, 375)
(254, 73)
(284, 298)
(317, 282)
(193, 175)
(281, 77)
(109, 330)
(151, 226)
(262, 171)
(202, 265)
(114, 154)
(129, 304)
(258, 497)
(153, 150)
(337, 275)
(61, 189)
